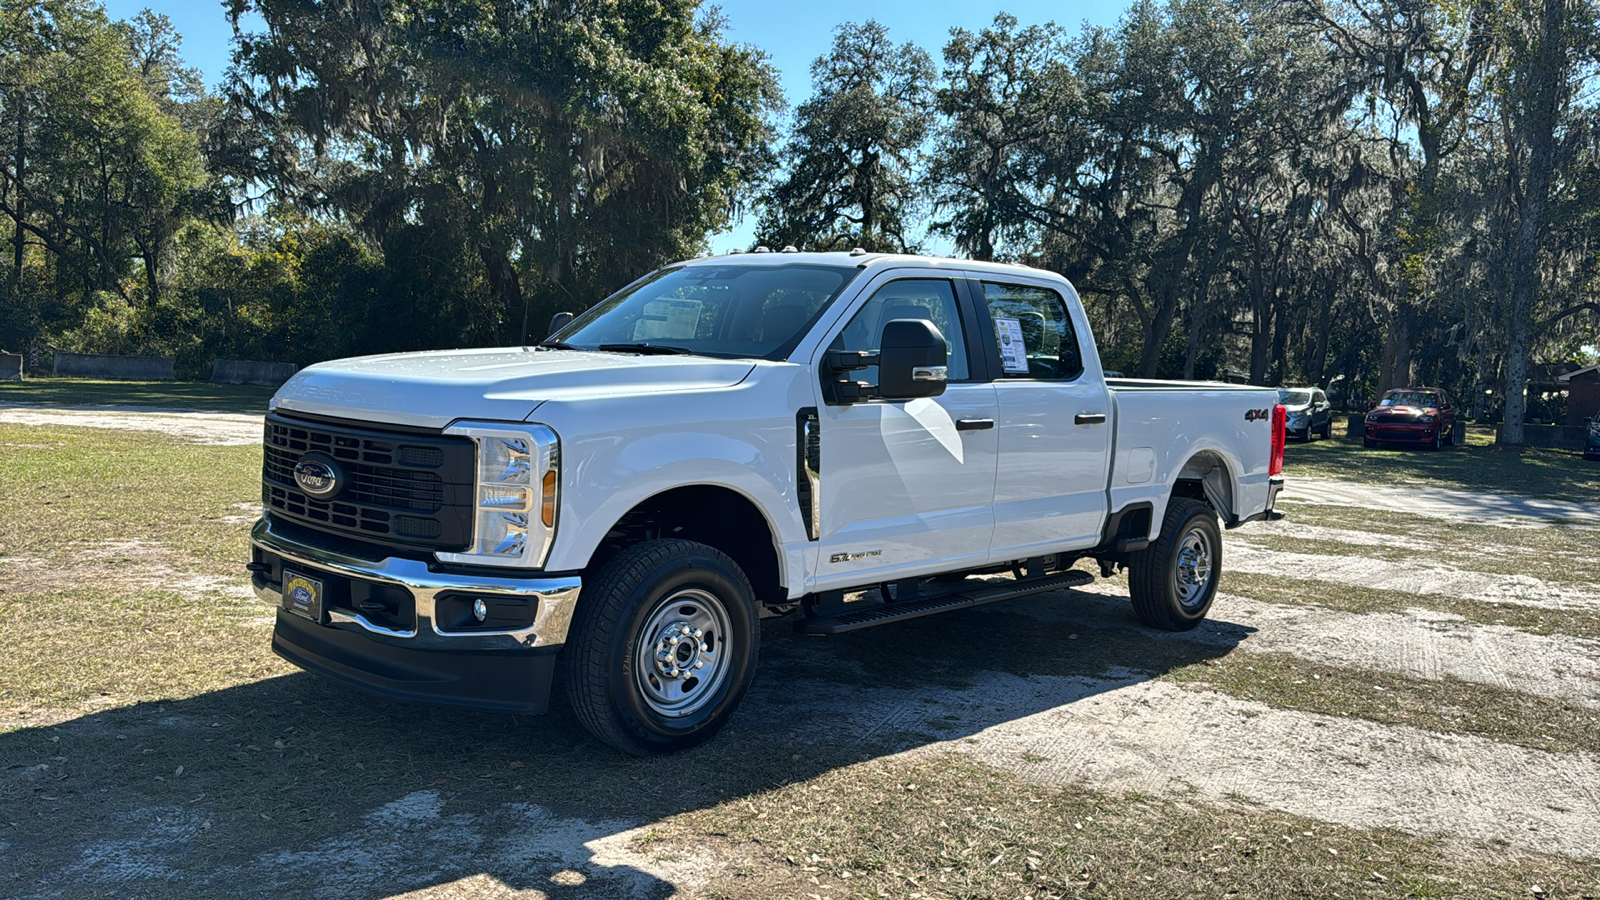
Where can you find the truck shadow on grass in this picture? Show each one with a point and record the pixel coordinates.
(292, 786)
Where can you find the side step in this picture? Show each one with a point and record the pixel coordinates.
(980, 594)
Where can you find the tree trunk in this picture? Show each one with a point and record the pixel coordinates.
(19, 244)
(505, 287)
(1539, 100)
(1317, 361)
(1395, 372)
(1197, 309)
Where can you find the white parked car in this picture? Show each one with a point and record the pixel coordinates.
(767, 433)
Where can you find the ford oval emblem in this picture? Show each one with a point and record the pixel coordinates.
(319, 477)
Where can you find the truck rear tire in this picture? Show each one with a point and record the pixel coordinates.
(1173, 581)
(662, 647)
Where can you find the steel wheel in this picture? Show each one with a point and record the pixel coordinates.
(682, 660)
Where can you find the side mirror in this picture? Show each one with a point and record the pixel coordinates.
(911, 360)
(1372, 404)
(558, 322)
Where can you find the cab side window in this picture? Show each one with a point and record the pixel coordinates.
(1035, 333)
(911, 298)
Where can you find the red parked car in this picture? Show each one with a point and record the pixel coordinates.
(1419, 415)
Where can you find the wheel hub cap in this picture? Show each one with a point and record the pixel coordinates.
(678, 650)
(1194, 568)
(682, 658)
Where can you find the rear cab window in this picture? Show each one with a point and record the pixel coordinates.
(1034, 332)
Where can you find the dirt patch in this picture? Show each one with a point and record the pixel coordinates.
(210, 428)
(117, 565)
(416, 844)
(1444, 503)
(1419, 643)
(1157, 738)
(1421, 578)
(1323, 534)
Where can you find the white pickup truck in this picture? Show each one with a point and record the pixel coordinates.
(847, 438)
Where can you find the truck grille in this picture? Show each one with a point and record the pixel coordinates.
(411, 490)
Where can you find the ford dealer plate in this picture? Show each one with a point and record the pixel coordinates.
(302, 595)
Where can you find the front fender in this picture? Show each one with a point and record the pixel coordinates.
(611, 477)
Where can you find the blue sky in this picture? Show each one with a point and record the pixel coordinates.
(793, 35)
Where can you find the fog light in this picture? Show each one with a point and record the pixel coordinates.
(480, 610)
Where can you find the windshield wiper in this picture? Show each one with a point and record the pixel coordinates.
(556, 345)
(651, 349)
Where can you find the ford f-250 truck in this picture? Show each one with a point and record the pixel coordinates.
(842, 437)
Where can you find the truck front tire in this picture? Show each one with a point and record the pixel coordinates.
(662, 647)
(1174, 580)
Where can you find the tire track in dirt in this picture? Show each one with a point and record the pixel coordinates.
(1444, 503)
(1413, 577)
(1154, 737)
(1124, 732)
(1419, 643)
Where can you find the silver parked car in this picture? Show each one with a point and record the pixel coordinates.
(1310, 413)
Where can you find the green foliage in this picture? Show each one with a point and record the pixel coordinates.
(1006, 91)
(852, 159)
(538, 156)
(101, 167)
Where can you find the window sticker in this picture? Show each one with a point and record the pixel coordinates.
(670, 319)
(1013, 355)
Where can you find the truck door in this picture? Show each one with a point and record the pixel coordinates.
(905, 486)
(1054, 419)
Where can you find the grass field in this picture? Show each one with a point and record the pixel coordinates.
(234, 398)
(1316, 739)
(1479, 465)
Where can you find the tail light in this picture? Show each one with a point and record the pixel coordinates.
(1280, 425)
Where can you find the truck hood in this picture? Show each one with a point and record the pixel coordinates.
(433, 389)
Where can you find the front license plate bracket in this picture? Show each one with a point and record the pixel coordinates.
(303, 595)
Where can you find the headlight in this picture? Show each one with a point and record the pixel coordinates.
(514, 511)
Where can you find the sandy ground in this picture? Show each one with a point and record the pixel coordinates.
(1422, 577)
(1156, 738)
(1443, 503)
(1420, 643)
(212, 428)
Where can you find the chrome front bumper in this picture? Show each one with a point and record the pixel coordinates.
(554, 597)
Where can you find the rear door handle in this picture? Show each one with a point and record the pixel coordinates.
(1089, 419)
(974, 424)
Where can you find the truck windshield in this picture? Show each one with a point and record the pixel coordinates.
(730, 311)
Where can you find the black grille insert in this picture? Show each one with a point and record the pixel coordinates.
(411, 490)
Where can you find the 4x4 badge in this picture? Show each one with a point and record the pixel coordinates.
(1251, 415)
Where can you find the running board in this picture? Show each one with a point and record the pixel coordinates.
(981, 594)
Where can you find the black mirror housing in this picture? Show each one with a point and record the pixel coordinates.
(911, 360)
(558, 322)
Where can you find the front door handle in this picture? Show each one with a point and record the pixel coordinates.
(974, 424)
(1089, 419)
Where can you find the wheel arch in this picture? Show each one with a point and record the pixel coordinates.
(713, 514)
(1208, 476)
